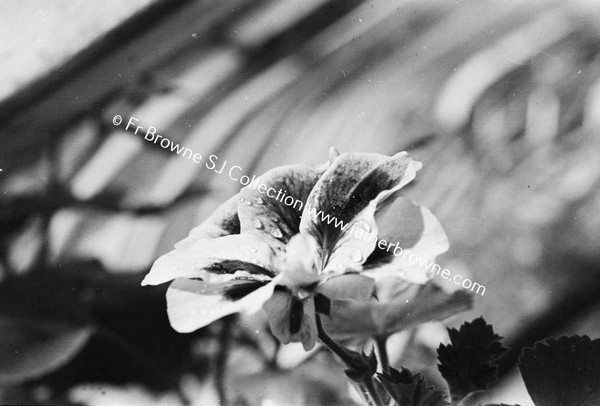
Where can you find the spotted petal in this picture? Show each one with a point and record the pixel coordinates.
(270, 208)
(214, 260)
(349, 193)
(195, 304)
(223, 221)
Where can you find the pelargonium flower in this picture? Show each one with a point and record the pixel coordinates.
(320, 254)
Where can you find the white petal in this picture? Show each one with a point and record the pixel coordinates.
(189, 309)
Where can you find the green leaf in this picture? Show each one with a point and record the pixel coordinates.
(30, 349)
(563, 372)
(411, 390)
(470, 363)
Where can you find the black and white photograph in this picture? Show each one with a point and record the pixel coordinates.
(300, 202)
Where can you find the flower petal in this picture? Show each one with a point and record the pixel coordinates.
(419, 236)
(190, 307)
(349, 191)
(297, 265)
(349, 286)
(213, 258)
(270, 207)
(406, 306)
(223, 221)
(308, 328)
(279, 314)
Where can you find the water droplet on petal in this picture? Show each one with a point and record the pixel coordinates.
(356, 198)
(242, 199)
(275, 232)
(274, 219)
(357, 256)
(259, 200)
(253, 250)
(257, 224)
(248, 202)
(336, 208)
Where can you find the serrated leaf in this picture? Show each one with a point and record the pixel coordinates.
(470, 363)
(411, 390)
(563, 372)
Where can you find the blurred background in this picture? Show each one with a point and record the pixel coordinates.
(499, 100)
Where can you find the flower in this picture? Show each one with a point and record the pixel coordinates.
(255, 251)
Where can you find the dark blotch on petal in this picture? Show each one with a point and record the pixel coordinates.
(230, 266)
(271, 219)
(237, 292)
(322, 304)
(296, 314)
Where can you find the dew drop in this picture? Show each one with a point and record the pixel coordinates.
(257, 224)
(274, 219)
(217, 266)
(242, 199)
(357, 256)
(275, 232)
(253, 250)
(248, 202)
(259, 200)
(336, 208)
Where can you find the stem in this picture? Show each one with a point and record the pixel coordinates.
(221, 360)
(369, 392)
(365, 385)
(333, 346)
(381, 342)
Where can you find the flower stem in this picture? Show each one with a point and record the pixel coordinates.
(381, 342)
(221, 359)
(366, 387)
